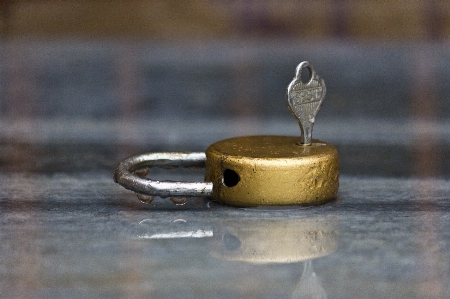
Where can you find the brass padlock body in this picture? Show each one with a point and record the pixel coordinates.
(272, 170)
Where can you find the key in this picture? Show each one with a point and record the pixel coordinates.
(305, 98)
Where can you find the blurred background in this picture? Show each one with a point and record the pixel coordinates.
(87, 83)
(84, 83)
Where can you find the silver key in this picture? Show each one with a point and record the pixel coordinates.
(305, 98)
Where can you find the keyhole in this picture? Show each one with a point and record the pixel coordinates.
(230, 178)
(305, 74)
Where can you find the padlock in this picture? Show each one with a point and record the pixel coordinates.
(252, 170)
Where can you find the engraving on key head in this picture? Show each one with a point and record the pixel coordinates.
(305, 98)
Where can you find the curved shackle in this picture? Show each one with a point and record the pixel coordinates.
(125, 174)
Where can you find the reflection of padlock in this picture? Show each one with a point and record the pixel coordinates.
(276, 240)
(262, 241)
(255, 170)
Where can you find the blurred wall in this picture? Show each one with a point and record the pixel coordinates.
(381, 59)
(172, 19)
(155, 72)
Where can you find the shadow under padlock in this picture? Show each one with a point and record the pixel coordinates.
(263, 247)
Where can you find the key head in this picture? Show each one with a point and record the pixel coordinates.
(304, 99)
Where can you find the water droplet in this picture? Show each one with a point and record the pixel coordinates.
(142, 172)
(179, 201)
(145, 198)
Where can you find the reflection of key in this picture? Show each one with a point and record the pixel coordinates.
(304, 99)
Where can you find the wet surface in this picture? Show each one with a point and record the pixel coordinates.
(68, 231)
(80, 234)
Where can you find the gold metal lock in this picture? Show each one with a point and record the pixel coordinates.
(272, 170)
(252, 170)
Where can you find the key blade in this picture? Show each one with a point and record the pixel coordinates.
(305, 98)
